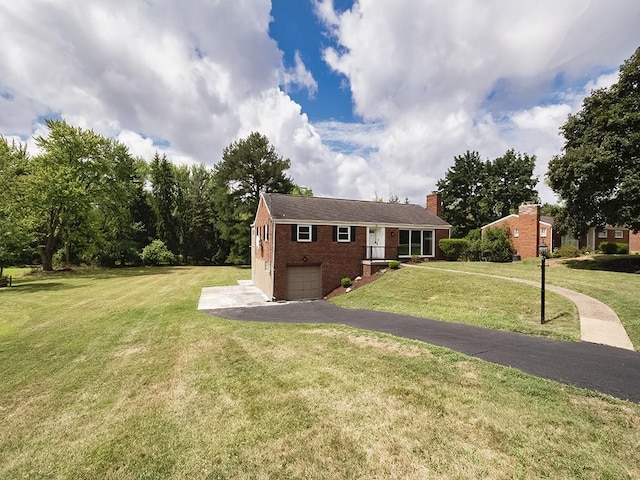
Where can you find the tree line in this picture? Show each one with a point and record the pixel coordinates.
(86, 199)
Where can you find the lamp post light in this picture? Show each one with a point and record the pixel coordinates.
(542, 250)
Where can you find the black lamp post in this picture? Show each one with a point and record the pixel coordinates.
(542, 250)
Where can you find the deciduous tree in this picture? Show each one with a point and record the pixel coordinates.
(598, 174)
(14, 234)
(77, 173)
(477, 192)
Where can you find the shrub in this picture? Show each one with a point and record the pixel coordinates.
(497, 246)
(156, 253)
(609, 248)
(394, 264)
(415, 258)
(345, 282)
(567, 251)
(454, 248)
(474, 246)
(623, 248)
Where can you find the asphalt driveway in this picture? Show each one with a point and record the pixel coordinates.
(610, 370)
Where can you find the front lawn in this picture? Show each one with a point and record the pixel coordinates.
(589, 275)
(471, 299)
(113, 374)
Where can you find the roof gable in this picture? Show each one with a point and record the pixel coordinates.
(294, 208)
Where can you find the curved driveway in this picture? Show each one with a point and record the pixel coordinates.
(602, 368)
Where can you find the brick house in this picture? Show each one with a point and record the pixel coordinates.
(634, 242)
(595, 236)
(301, 247)
(528, 229)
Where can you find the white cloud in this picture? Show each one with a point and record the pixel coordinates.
(429, 79)
(299, 77)
(444, 77)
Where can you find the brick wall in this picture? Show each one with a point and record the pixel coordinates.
(611, 237)
(634, 242)
(338, 259)
(529, 227)
(439, 235)
(261, 268)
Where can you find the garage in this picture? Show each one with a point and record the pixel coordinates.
(304, 282)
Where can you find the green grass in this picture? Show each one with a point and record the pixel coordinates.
(620, 291)
(470, 299)
(115, 375)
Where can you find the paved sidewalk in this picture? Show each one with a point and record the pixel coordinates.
(614, 371)
(598, 322)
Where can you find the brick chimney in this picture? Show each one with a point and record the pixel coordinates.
(434, 203)
(529, 226)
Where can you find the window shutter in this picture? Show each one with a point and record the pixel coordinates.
(314, 233)
(335, 233)
(294, 233)
(353, 234)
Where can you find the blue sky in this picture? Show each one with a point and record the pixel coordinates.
(296, 27)
(367, 98)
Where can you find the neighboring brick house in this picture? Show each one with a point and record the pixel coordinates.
(634, 242)
(527, 230)
(301, 247)
(595, 236)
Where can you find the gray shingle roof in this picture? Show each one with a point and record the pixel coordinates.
(546, 219)
(290, 208)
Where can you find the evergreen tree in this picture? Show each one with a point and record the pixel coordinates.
(249, 167)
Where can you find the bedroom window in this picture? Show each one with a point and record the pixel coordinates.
(543, 232)
(304, 233)
(602, 234)
(516, 232)
(619, 234)
(344, 234)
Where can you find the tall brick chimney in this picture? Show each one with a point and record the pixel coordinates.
(529, 226)
(434, 203)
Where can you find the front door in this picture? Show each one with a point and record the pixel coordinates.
(375, 243)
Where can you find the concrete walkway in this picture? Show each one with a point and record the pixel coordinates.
(598, 322)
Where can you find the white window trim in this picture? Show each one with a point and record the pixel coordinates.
(543, 232)
(619, 234)
(516, 232)
(348, 239)
(602, 234)
(310, 230)
(266, 232)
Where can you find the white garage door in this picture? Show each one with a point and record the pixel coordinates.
(304, 282)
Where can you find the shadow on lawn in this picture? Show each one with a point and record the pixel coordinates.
(608, 263)
(35, 286)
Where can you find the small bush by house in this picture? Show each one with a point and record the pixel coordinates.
(394, 264)
(345, 282)
(612, 248)
(566, 251)
(497, 245)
